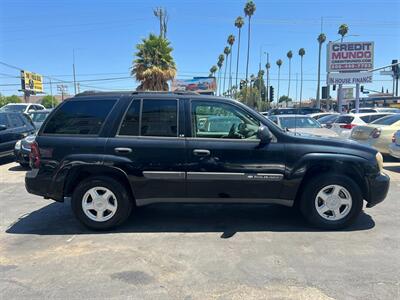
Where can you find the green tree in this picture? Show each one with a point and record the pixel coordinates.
(213, 70)
(49, 101)
(343, 30)
(227, 51)
(279, 63)
(285, 99)
(239, 22)
(321, 39)
(249, 10)
(302, 52)
(9, 99)
(154, 65)
(231, 41)
(249, 95)
(289, 56)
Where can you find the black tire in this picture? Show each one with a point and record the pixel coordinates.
(124, 208)
(310, 192)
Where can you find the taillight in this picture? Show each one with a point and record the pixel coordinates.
(394, 138)
(376, 133)
(34, 156)
(348, 126)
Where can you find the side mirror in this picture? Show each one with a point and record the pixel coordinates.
(264, 135)
(3, 127)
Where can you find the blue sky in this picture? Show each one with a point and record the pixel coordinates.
(39, 36)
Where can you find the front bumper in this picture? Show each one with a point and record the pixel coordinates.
(379, 187)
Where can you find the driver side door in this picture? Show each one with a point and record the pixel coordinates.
(225, 161)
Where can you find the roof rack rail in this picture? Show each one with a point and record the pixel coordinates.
(95, 92)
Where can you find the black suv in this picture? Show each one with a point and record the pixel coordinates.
(111, 152)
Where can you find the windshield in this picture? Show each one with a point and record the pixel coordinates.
(38, 117)
(299, 122)
(388, 120)
(13, 108)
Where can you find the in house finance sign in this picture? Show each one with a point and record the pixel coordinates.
(347, 63)
(350, 56)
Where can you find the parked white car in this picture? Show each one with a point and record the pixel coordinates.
(301, 124)
(378, 134)
(346, 122)
(376, 110)
(22, 107)
(394, 147)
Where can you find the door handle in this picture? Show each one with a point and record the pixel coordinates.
(123, 150)
(201, 152)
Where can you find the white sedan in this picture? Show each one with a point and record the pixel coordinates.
(301, 124)
(346, 122)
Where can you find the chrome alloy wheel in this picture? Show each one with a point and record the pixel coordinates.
(99, 204)
(333, 202)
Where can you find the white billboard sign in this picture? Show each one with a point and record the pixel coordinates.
(350, 56)
(349, 78)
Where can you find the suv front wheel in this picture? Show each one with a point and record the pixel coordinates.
(101, 203)
(331, 201)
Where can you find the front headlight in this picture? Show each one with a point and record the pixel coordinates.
(18, 145)
(379, 160)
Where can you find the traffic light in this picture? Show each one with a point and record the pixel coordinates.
(324, 92)
(362, 89)
(242, 83)
(334, 87)
(271, 93)
(263, 93)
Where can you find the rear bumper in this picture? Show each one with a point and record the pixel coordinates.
(40, 185)
(394, 150)
(379, 187)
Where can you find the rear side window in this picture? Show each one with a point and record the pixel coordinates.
(388, 120)
(159, 118)
(130, 125)
(375, 117)
(83, 117)
(344, 119)
(15, 121)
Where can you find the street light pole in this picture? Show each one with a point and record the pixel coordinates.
(73, 68)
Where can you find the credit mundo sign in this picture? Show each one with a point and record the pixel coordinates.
(350, 56)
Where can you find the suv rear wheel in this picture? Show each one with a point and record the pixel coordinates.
(101, 203)
(331, 201)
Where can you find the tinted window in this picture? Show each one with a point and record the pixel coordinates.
(344, 119)
(130, 125)
(375, 117)
(79, 117)
(3, 120)
(159, 118)
(388, 120)
(327, 119)
(299, 122)
(219, 120)
(15, 120)
(38, 117)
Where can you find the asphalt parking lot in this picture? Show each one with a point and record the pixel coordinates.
(194, 252)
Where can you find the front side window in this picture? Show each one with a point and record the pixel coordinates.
(83, 117)
(220, 120)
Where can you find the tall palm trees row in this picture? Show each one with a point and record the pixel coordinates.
(226, 57)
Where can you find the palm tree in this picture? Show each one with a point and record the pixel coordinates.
(301, 53)
(268, 66)
(343, 30)
(227, 51)
(213, 69)
(249, 10)
(321, 39)
(154, 65)
(231, 41)
(239, 22)
(289, 56)
(220, 63)
(279, 63)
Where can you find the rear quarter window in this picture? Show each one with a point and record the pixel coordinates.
(344, 119)
(79, 117)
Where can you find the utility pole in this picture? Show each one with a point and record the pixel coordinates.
(73, 68)
(51, 94)
(267, 78)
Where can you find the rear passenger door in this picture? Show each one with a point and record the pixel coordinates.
(149, 146)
